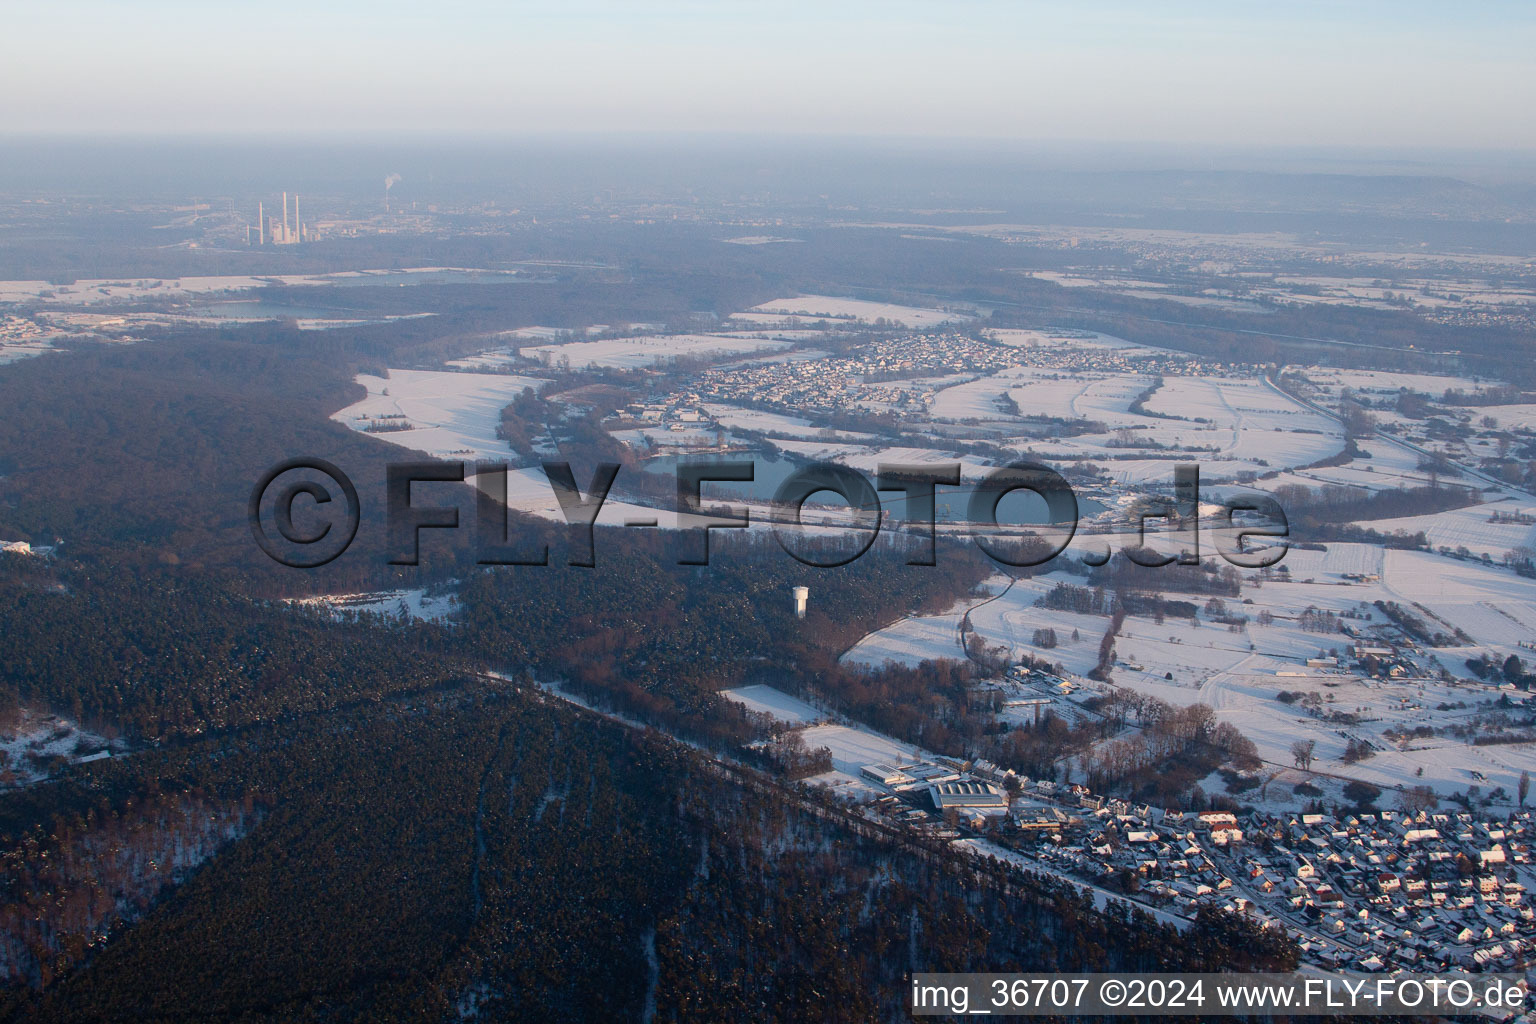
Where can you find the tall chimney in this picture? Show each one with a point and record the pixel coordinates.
(298, 227)
(284, 237)
(261, 224)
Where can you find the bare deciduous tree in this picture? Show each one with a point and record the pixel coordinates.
(1301, 751)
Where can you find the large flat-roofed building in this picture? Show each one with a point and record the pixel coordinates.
(929, 772)
(969, 795)
(884, 774)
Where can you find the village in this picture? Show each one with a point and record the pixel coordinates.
(1364, 891)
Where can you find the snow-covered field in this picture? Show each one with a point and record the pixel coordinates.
(1385, 467)
(416, 604)
(1331, 565)
(1082, 397)
(1468, 527)
(452, 415)
(920, 638)
(1511, 417)
(858, 309)
(630, 353)
(528, 491)
(1068, 339)
(490, 359)
(1229, 425)
(1496, 607)
(759, 420)
(455, 416)
(1139, 289)
(37, 740)
(914, 640)
(1239, 672)
(1225, 421)
(103, 290)
(784, 322)
(853, 747)
(979, 399)
(1389, 382)
(769, 701)
(822, 451)
(1246, 699)
(11, 351)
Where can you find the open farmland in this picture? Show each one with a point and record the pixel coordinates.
(856, 310)
(768, 701)
(448, 414)
(629, 353)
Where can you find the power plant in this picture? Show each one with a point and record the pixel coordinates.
(280, 233)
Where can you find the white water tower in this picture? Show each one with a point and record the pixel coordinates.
(802, 594)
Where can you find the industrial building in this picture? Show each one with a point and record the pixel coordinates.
(967, 795)
(930, 773)
(884, 774)
(280, 233)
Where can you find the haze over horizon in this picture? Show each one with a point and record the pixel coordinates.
(1374, 75)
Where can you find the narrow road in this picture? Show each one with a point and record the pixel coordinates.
(965, 617)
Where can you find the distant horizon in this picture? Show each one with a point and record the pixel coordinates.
(994, 144)
(33, 160)
(1407, 74)
(488, 137)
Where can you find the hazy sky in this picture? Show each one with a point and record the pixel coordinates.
(1400, 73)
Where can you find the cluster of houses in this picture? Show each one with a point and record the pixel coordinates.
(1364, 891)
(678, 413)
(1382, 891)
(887, 372)
(1382, 661)
(23, 336)
(20, 337)
(1382, 650)
(18, 329)
(833, 383)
